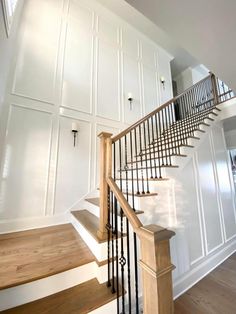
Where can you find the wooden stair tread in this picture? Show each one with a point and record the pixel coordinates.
(137, 212)
(144, 168)
(141, 195)
(157, 157)
(30, 255)
(90, 223)
(81, 299)
(173, 139)
(95, 201)
(145, 179)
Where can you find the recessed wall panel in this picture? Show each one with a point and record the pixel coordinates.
(108, 105)
(130, 43)
(37, 54)
(73, 170)
(108, 30)
(188, 212)
(209, 196)
(25, 164)
(150, 90)
(226, 193)
(77, 74)
(148, 53)
(131, 79)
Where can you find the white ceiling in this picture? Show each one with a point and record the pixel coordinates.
(205, 28)
(182, 59)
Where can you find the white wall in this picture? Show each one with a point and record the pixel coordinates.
(190, 76)
(75, 61)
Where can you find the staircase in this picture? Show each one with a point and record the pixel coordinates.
(111, 222)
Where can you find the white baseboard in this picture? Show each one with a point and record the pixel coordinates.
(14, 225)
(188, 280)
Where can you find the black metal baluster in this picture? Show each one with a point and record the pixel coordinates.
(116, 255)
(136, 156)
(134, 234)
(113, 231)
(108, 227)
(153, 143)
(159, 142)
(127, 229)
(140, 145)
(157, 120)
(146, 157)
(163, 135)
(168, 141)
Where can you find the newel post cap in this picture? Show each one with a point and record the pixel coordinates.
(157, 232)
(105, 135)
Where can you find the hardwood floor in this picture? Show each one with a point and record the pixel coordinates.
(78, 300)
(29, 255)
(214, 294)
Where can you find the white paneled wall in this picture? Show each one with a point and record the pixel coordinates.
(205, 205)
(198, 203)
(74, 61)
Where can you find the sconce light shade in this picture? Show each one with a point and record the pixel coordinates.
(163, 80)
(74, 127)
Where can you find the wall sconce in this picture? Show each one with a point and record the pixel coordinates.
(74, 130)
(130, 99)
(163, 80)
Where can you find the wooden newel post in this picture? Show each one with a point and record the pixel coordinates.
(105, 171)
(156, 269)
(214, 89)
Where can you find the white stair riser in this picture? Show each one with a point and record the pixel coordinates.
(41, 288)
(99, 250)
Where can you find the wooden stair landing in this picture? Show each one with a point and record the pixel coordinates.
(34, 254)
(80, 299)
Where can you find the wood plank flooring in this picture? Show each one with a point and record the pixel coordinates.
(29, 255)
(80, 299)
(214, 294)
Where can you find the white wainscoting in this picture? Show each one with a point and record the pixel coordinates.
(75, 62)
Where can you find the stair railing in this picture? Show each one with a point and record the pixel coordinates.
(129, 162)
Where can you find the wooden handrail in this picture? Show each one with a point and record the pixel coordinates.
(171, 101)
(128, 211)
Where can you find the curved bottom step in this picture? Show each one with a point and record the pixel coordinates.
(83, 298)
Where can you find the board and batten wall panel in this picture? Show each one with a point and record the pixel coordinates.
(77, 61)
(209, 195)
(131, 75)
(25, 164)
(150, 89)
(227, 193)
(189, 212)
(35, 73)
(108, 99)
(73, 169)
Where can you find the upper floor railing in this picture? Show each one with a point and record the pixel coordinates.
(129, 162)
